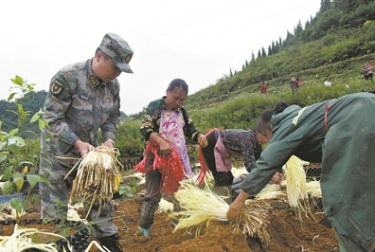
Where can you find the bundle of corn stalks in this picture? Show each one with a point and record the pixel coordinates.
(199, 206)
(20, 240)
(165, 206)
(96, 176)
(253, 220)
(237, 172)
(296, 181)
(272, 191)
(314, 190)
(297, 187)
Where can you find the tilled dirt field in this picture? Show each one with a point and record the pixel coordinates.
(287, 232)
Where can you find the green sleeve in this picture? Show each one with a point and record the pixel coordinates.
(151, 119)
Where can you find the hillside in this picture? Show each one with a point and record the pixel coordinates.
(334, 44)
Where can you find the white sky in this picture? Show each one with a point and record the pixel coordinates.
(196, 40)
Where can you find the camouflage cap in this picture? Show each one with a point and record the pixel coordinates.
(119, 51)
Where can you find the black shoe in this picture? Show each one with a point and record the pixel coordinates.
(111, 243)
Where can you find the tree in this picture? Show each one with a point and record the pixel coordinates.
(269, 50)
(298, 29)
(274, 47)
(264, 54)
(325, 5)
(252, 57)
(347, 6)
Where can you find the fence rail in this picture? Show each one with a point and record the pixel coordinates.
(129, 163)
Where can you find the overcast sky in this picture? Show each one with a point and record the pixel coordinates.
(196, 40)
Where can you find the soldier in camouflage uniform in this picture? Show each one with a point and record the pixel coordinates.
(82, 99)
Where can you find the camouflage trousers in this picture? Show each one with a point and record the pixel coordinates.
(54, 198)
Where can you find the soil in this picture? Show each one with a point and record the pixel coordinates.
(287, 232)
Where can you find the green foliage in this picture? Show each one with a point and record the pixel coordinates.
(129, 140)
(33, 102)
(11, 144)
(128, 191)
(243, 110)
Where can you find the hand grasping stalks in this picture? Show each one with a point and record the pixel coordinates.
(96, 176)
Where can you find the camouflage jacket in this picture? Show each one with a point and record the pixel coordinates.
(152, 115)
(77, 105)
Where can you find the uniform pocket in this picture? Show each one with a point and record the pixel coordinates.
(81, 113)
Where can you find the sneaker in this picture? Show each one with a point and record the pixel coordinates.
(111, 243)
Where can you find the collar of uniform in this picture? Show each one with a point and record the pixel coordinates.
(94, 81)
(178, 109)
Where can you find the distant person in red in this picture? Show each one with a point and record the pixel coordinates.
(299, 82)
(263, 89)
(367, 71)
(294, 85)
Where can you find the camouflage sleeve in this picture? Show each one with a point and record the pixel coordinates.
(109, 127)
(190, 130)
(57, 103)
(151, 115)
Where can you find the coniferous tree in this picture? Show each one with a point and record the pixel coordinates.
(252, 57)
(274, 49)
(264, 54)
(298, 29)
(259, 54)
(307, 24)
(347, 6)
(269, 50)
(325, 5)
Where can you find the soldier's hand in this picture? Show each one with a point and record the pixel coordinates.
(109, 144)
(83, 147)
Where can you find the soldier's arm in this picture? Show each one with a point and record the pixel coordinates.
(57, 103)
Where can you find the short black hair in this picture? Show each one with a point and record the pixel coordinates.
(263, 123)
(104, 54)
(178, 83)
